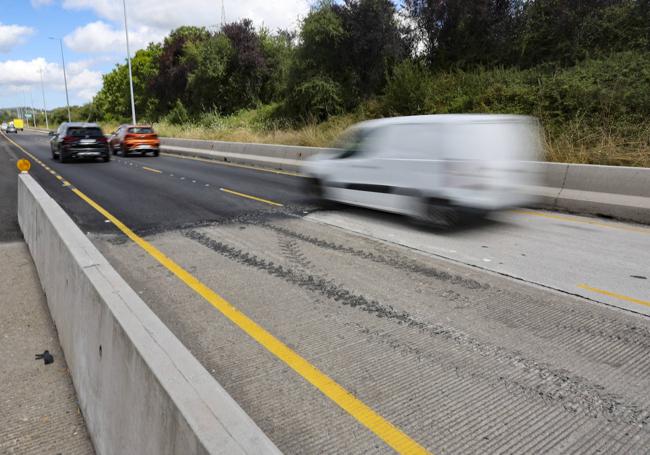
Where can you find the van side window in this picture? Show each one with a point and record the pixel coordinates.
(412, 141)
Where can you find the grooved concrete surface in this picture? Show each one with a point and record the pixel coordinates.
(461, 360)
(38, 405)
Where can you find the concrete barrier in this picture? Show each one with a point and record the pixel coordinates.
(139, 388)
(282, 157)
(612, 191)
(36, 130)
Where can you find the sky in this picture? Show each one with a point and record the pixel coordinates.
(93, 38)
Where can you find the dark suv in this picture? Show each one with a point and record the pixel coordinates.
(77, 141)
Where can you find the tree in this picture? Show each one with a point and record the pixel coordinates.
(113, 101)
(278, 50)
(566, 31)
(247, 66)
(372, 43)
(345, 49)
(208, 83)
(468, 32)
(174, 66)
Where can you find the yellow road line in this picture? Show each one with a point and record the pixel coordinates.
(248, 196)
(385, 430)
(151, 170)
(582, 221)
(365, 415)
(244, 166)
(615, 295)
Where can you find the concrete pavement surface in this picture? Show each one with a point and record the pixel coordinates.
(38, 406)
(590, 257)
(460, 358)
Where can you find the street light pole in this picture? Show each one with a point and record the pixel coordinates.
(24, 111)
(31, 99)
(128, 57)
(65, 78)
(47, 123)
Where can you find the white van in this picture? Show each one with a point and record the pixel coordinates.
(434, 166)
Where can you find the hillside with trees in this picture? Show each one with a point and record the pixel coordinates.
(581, 66)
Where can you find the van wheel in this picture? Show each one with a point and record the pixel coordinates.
(440, 215)
(313, 187)
(315, 191)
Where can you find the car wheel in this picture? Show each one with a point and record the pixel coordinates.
(63, 159)
(106, 158)
(112, 149)
(156, 153)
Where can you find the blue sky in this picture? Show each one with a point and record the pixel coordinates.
(93, 36)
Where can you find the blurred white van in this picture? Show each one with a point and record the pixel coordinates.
(434, 167)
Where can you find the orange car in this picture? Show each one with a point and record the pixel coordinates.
(134, 138)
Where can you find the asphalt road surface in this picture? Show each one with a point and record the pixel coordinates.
(470, 341)
(9, 230)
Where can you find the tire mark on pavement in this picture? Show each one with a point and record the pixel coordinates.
(527, 376)
(395, 261)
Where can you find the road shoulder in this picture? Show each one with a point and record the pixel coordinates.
(38, 401)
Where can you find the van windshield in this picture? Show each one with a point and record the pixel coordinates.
(350, 142)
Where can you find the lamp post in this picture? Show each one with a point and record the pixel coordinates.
(128, 57)
(47, 123)
(65, 78)
(31, 100)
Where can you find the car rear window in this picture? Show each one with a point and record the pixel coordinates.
(140, 130)
(84, 131)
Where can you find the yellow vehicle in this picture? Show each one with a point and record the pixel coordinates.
(19, 124)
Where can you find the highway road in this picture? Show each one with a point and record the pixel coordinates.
(526, 333)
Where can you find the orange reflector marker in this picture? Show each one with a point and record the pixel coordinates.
(23, 165)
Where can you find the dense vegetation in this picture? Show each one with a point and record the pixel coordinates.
(581, 66)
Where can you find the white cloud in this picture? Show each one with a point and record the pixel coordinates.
(12, 35)
(86, 84)
(149, 20)
(100, 37)
(23, 75)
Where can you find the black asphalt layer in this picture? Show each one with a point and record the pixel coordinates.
(9, 230)
(172, 193)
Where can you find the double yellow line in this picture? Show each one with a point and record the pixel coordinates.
(365, 415)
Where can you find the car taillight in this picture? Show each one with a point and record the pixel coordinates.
(102, 139)
(69, 139)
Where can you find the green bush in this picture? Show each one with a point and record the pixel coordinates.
(608, 91)
(408, 90)
(315, 100)
(178, 115)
